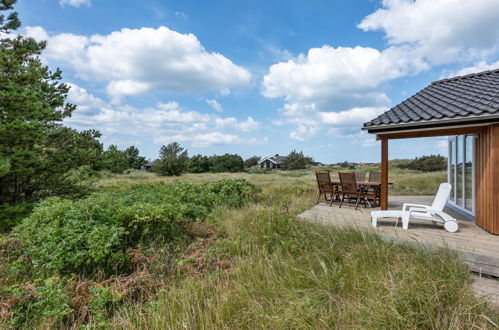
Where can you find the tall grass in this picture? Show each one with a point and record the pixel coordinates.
(404, 182)
(288, 274)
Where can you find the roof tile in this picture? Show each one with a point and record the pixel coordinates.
(455, 98)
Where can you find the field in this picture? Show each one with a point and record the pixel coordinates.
(405, 182)
(250, 264)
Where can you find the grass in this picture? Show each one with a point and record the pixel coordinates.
(405, 182)
(283, 273)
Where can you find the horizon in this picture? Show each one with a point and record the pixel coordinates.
(257, 78)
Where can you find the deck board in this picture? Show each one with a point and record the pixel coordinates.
(476, 247)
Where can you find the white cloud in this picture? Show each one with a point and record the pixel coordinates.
(338, 78)
(215, 105)
(75, 3)
(477, 67)
(442, 31)
(181, 15)
(164, 122)
(209, 139)
(338, 88)
(135, 61)
(249, 125)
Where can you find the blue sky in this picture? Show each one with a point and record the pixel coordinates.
(257, 77)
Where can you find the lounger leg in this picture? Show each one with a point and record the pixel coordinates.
(374, 221)
(405, 222)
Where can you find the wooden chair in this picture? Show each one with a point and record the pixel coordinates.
(374, 176)
(360, 176)
(374, 193)
(350, 190)
(326, 187)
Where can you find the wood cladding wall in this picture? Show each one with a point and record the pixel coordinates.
(487, 179)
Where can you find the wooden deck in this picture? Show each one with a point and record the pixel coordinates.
(476, 247)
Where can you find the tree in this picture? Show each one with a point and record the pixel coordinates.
(114, 160)
(425, 163)
(296, 161)
(173, 160)
(226, 163)
(32, 106)
(38, 156)
(199, 164)
(252, 161)
(133, 158)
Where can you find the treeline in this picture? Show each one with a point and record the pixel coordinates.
(429, 163)
(174, 160)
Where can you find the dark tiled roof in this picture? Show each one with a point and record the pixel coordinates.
(459, 99)
(275, 159)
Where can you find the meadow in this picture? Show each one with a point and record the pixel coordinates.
(240, 263)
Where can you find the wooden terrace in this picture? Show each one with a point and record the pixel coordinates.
(476, 247)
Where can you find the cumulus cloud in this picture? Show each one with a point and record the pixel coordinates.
(165, 122)
(75, 3)
(442, 31)
(249, 125)
(329, 86)
(477, 67)
(136, 61)
(215, 105)
(337, 77)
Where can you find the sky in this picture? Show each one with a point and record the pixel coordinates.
(257, 77)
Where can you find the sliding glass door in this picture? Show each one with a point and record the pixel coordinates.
(461, 172)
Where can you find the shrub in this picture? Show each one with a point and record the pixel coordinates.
(252, 161)
(296, 161)
(173, 160)
(429, 163)
(199, 164)
(65, 236)
(226, 163)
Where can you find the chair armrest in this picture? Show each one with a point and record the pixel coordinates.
(415, 205)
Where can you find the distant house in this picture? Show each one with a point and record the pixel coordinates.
(318, 164)
(147, 166)
(272, 162)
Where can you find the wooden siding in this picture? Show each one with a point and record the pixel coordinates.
(487, 179)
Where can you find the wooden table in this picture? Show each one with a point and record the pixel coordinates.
(376, 186)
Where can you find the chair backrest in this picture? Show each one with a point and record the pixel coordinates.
(374, 176)
(348, 182)
(324, 182)
(360, 176)
(442, 196)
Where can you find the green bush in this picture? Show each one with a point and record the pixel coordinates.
(94, 233)
(431, 163)
(226, 163)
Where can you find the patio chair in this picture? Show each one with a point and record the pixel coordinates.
(326, 187)
(350, 190)
(374, 177)
(373, 192)
(433, 213)
(360, 176)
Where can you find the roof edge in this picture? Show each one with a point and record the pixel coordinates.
(470, 75)
(478, 120)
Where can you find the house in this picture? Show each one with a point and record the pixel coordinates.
(318, 164)
(147, 166)
(466, 110)
(272, 162)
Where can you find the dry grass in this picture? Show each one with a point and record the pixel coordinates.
(288, 274)
(405, 182)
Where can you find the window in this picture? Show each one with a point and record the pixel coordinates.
(461, 172)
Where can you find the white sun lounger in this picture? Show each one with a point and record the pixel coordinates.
(433, 213)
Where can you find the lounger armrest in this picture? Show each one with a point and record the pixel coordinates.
(406, 205)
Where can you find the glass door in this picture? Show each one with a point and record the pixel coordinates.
(461, 172)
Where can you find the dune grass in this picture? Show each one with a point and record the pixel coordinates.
(285, 274)
(405, 182)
